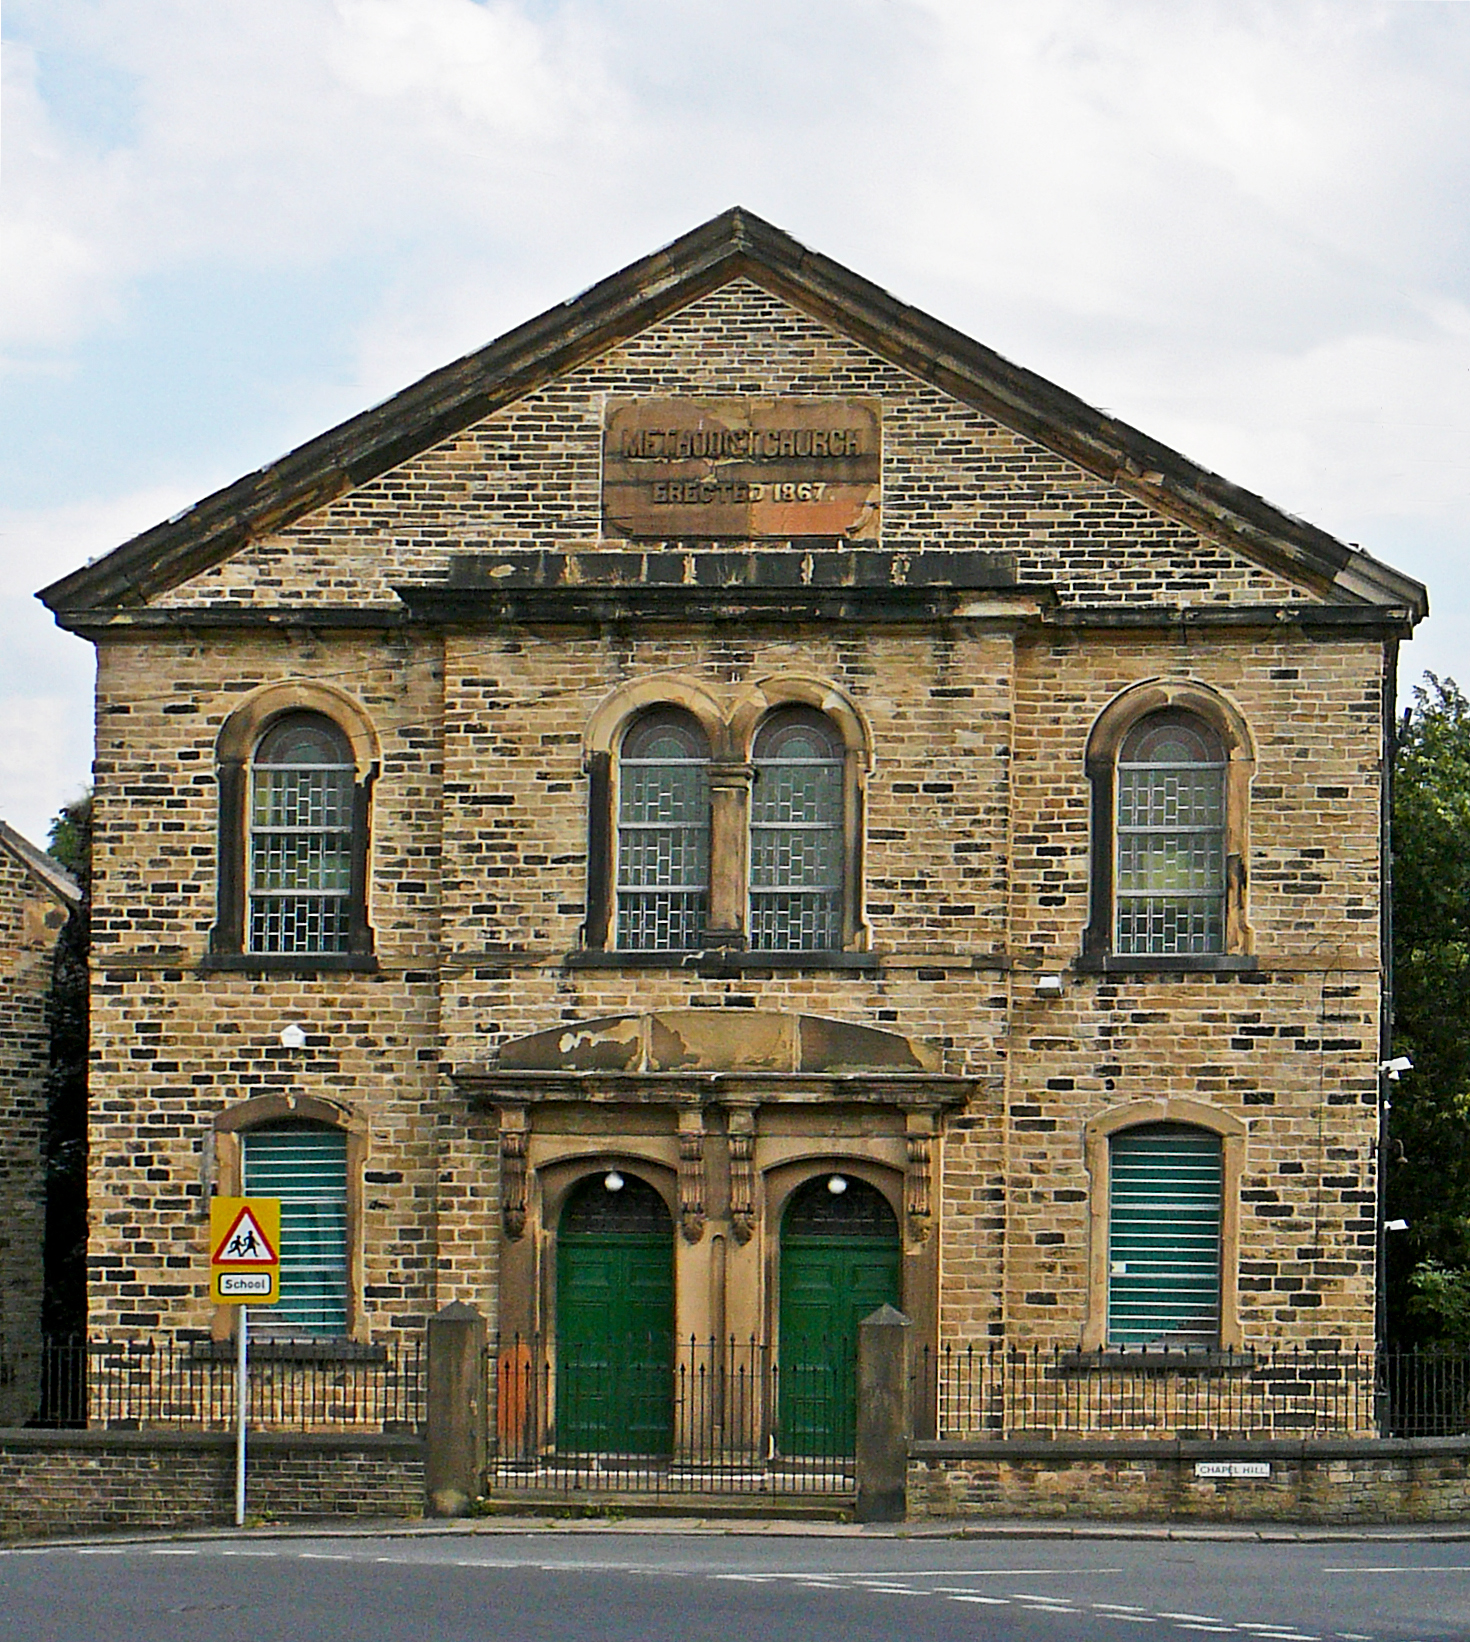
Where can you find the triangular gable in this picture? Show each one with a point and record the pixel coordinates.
(733, 245)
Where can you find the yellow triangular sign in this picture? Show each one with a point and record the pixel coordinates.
(245, 1243)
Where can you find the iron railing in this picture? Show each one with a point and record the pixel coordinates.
(996, 1389)
(159, 1382)
(695, 1417)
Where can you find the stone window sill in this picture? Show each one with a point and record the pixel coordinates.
(1181, 1360)
(725, 962)
(1187, 963)
(288, 963)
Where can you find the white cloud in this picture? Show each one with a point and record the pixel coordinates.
(1238, 223)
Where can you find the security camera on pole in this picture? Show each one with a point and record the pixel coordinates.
(244, 1271)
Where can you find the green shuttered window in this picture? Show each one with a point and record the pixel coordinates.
(1164, 1217)
(307, 1169)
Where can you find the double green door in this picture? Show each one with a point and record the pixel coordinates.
(615, 1331)
(840, 1261)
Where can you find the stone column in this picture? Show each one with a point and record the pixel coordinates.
(454, 1456)
(883, 1416)
(729, 852)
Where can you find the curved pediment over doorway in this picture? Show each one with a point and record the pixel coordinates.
(716, 1040)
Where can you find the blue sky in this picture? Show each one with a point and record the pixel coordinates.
(1241, 226)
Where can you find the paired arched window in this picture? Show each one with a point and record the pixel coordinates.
(663, 834)
(293, 788)
(796, 834)
(1170, 771)
(711, 851)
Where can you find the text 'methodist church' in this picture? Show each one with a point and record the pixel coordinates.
(760, 807)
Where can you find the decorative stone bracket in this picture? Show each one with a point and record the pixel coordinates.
(515, 1128)
(741, 1120)
(918, 1176)
(691, 1174)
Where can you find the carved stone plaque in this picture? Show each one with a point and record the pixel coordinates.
(742, 468)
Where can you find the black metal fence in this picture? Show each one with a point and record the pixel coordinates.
(707, 1416)
(161, 1382)
(995, 1389)
(695, 1417)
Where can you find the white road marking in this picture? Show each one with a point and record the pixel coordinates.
(1405, 1568)
(1197, 1618)
(1351, 1636)
(1214, 1630)
(329, 1556)
(989, 1601)
(1117, 1607)
(174, 1550)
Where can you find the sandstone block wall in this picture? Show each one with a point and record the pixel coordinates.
(976, 847)
(32, 916)
(1339, 1483)
(86, 1482)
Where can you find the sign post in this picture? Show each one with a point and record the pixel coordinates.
(244, 1271)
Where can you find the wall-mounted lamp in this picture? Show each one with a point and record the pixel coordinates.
(612, 1181)
(293, 1037)
(1396, 1067)
(836, 1185)
(1048, 986)
(1395, 1225)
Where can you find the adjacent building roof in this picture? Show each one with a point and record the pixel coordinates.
(733, 245)
(48, 872)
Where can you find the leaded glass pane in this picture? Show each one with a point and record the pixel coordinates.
(796, 836)
(1170, 864)
(307, 1170)
(663, 837)
(301, 802)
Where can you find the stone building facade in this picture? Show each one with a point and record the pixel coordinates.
(37, 896)
(757, 805)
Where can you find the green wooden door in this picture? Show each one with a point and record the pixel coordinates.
(840, 1260)
(615, 1320)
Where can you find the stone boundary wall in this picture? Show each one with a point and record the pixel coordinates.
(82, 1482)
(1418, 1479)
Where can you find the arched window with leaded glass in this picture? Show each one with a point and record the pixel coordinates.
(797, 834)
(300, 848)
(1169, 838)
(662, 883)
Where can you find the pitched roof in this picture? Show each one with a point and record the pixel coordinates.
(48, 871)
(733, 245)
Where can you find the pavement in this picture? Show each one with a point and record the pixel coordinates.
(779, 1528)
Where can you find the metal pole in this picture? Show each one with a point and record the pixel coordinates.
(242, 1347)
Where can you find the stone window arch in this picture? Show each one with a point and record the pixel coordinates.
(295, 766)
(1170, 764)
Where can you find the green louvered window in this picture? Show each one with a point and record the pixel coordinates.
(306, 1168)
(1171, 838)
(663, 834)
(1164, 1211)
(796, 835)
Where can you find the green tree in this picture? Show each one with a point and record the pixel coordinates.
(1428, 1179)
(64, 1309)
